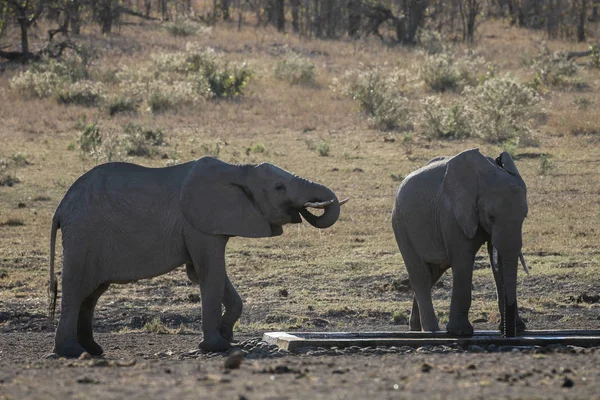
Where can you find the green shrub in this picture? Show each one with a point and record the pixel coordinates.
(323, 149)
(555, 71)
(595, 56)
(181, 27)
(445, 71)
(430, 41)
(207, 73)
(31, 84)
(228, 81)
(142, 141)
(545, 164)
(380, 98)
(90, 138)
(295, 70)
(438, 72)
(162, 96)
(441, 122)
(501, 108)
(84, 93)
(258, 148)
(122, 105)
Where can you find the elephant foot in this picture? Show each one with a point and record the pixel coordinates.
(69, 351)
(521, 327)
(460, 328)
(227, 332)
(215, 343)
(93, 348)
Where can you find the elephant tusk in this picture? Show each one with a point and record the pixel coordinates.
(344, 201)
(523, 262)
(321, 204)
(495, 259)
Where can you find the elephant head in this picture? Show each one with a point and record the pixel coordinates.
(490, 195)
(252, 200)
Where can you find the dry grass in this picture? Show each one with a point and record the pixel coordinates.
(341, 275)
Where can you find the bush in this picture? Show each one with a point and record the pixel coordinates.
(430, 41)
(380, 98)
(442, 122)
(501, 108)
(438, 72)
(90, 138)
(295, 70)
(444, 71)
(122, 105)
(208, 73)
(181, 27)
(84, 93)
(555, 71)
(323, 149)
(162, 96)
(31, 84)
(141, 141)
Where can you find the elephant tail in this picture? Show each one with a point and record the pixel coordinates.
(53, 286)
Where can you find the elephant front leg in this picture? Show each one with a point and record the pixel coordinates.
(233, 310)
(209, 262)
(462, 277)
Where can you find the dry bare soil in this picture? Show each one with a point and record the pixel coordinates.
(348, 277)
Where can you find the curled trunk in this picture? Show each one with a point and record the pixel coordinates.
(315, 193)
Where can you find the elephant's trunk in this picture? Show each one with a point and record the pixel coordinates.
(315, 193)
(508, 271)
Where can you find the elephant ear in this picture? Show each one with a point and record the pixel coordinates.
(214, 200)
(461, 186)
(505, 161)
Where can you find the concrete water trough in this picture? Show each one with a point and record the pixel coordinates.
(294, 340)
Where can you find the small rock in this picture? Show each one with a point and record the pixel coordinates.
(426, 367)
(283, 293)
(234, 360)
(51, 356)
(85, 356)
(193, 298)
(358, 170)
(21, 205)
(475, 349)
(568, 382)
(85, 379)
(126, 363)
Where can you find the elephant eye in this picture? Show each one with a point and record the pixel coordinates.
(492, 218)
(280, 187)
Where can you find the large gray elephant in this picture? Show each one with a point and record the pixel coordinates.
(122, 222)
(444, 212)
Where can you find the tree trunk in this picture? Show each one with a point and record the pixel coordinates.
(295, 15)
(317, 19)
(581, 25)
(354, 15)
(280, 15)
(595, 5)
(24, 37)
(225, 9)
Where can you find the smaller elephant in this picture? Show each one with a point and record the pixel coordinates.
(123, 222)
(444, 212)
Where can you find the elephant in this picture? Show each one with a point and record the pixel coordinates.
(123, 222)
(444, 212)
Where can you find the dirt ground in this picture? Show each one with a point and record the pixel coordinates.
(142, 366)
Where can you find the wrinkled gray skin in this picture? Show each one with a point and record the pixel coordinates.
(122, 222)
(444, 212)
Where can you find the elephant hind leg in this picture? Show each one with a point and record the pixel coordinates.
(415, 317)
(421, 282)
(85, 335)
